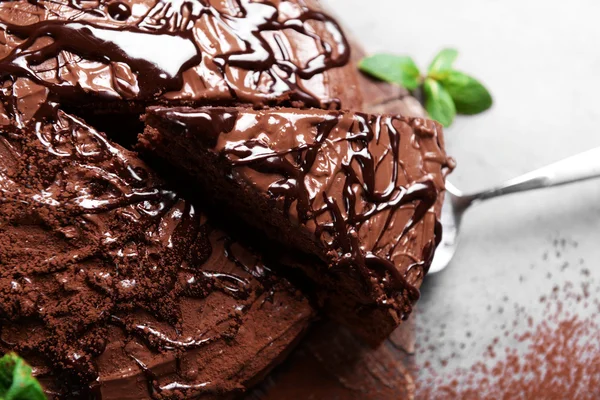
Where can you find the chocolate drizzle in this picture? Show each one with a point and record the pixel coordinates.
(148, 57)
(344, 226)
(335, 173)
(119, 11)
(155, 70)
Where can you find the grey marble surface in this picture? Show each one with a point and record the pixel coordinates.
(541, 62)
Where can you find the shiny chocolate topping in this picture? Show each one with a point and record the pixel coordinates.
(366, 187)
(199, 51)
(108, 279)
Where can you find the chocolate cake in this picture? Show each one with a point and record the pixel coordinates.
(119, 56)
(114, 287)
(360, 192)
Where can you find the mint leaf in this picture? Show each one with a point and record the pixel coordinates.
(469, 95)
(400, 70)
(442, 62)
(438, 102)
(16, 381)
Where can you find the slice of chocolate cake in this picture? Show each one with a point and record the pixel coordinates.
(111, 285)
(360, 192)
(107, 56)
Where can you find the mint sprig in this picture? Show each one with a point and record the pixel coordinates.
(446, 91)
(16, 381)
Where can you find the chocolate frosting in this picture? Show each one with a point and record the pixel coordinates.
(111, 285)
(365, 187)
(201, 51)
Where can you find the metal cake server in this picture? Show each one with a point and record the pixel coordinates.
(577, 168)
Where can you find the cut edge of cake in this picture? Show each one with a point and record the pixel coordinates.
(243, 160)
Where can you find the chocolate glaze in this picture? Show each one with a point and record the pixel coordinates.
(112, 286)
(100, 44)
(364, 187)
(149, 51)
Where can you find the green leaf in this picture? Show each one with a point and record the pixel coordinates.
(442, 62)
(400, 70)
(438, 102)
(16, 381)
(469, 95)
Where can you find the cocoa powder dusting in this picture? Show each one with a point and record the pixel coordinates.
(553, 357)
